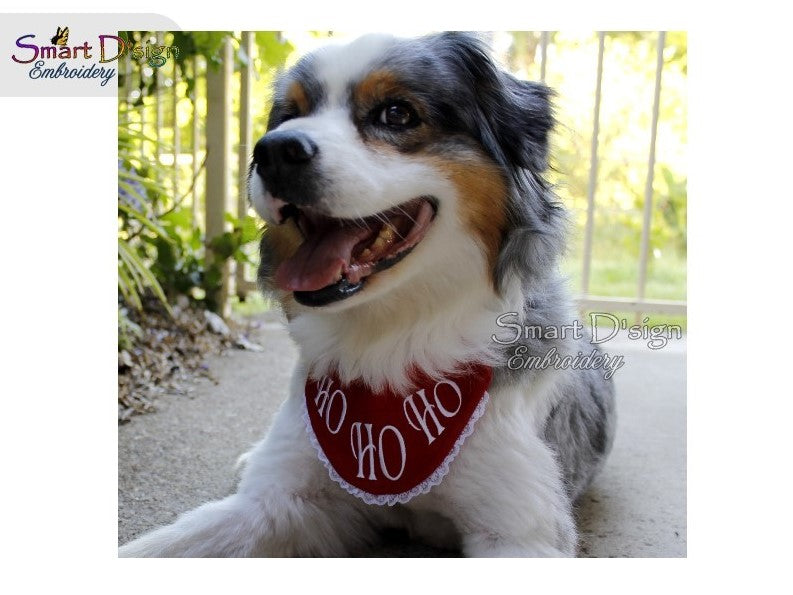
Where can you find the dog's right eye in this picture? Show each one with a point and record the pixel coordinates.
(398, 114)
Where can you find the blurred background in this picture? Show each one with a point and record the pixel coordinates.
(186, 129)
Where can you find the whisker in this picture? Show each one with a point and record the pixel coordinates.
(366, 222)
(406, 214)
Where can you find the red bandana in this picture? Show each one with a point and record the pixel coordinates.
(385, 447)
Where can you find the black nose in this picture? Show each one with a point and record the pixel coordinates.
(282, 154)
(283, 160)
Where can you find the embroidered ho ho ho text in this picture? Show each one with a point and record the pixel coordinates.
(383, 448)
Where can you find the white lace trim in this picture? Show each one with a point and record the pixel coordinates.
(425, 486)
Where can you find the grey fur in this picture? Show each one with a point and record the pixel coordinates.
(581, 424)
(580, 427)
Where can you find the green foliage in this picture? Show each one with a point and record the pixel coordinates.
(208, 44)
(138, 195)
(162, 250)
(670, 220)
(180, 262)
(272, 52)
(273, 48)
(128, 331)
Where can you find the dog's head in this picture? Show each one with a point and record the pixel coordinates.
(391, 161)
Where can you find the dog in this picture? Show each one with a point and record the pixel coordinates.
(402, 185)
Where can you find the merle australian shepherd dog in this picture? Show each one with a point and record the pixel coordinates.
(401, 182)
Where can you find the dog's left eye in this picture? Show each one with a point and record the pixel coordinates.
(399, 115)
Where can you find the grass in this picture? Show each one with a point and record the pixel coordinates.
(666, 280)
(666, 277)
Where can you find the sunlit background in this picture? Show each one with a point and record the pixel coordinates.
(171, 242)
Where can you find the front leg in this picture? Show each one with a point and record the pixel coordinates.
(504, 491)
(286, 505)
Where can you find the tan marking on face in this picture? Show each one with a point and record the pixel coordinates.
(377, 86)
(297, 94)
(374, 91)
(483, 200)
(283, 241)
(288, 305)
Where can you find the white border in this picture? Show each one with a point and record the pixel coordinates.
(59, 391)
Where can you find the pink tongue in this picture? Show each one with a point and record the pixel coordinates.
(317, 261)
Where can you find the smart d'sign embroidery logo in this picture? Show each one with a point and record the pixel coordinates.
(61, 59)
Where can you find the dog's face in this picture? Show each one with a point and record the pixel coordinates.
(387, 160)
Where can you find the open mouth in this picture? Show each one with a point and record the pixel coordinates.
(337, 256)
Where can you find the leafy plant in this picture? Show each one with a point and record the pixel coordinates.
(273, 51)
(161, 252)
(180, 262)
(137, 196)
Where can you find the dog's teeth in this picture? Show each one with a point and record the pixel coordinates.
(384, 238)
(387, 233)
(366, 254)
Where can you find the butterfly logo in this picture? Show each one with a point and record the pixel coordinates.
(61, 36)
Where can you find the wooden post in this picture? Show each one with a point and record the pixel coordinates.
(218, 148)
(593, 169)
(244, 148)
(158, 107)
(196, 144)
(648, 185)
(177, 148)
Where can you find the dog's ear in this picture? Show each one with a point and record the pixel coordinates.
(514, 117)
(522, 120)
